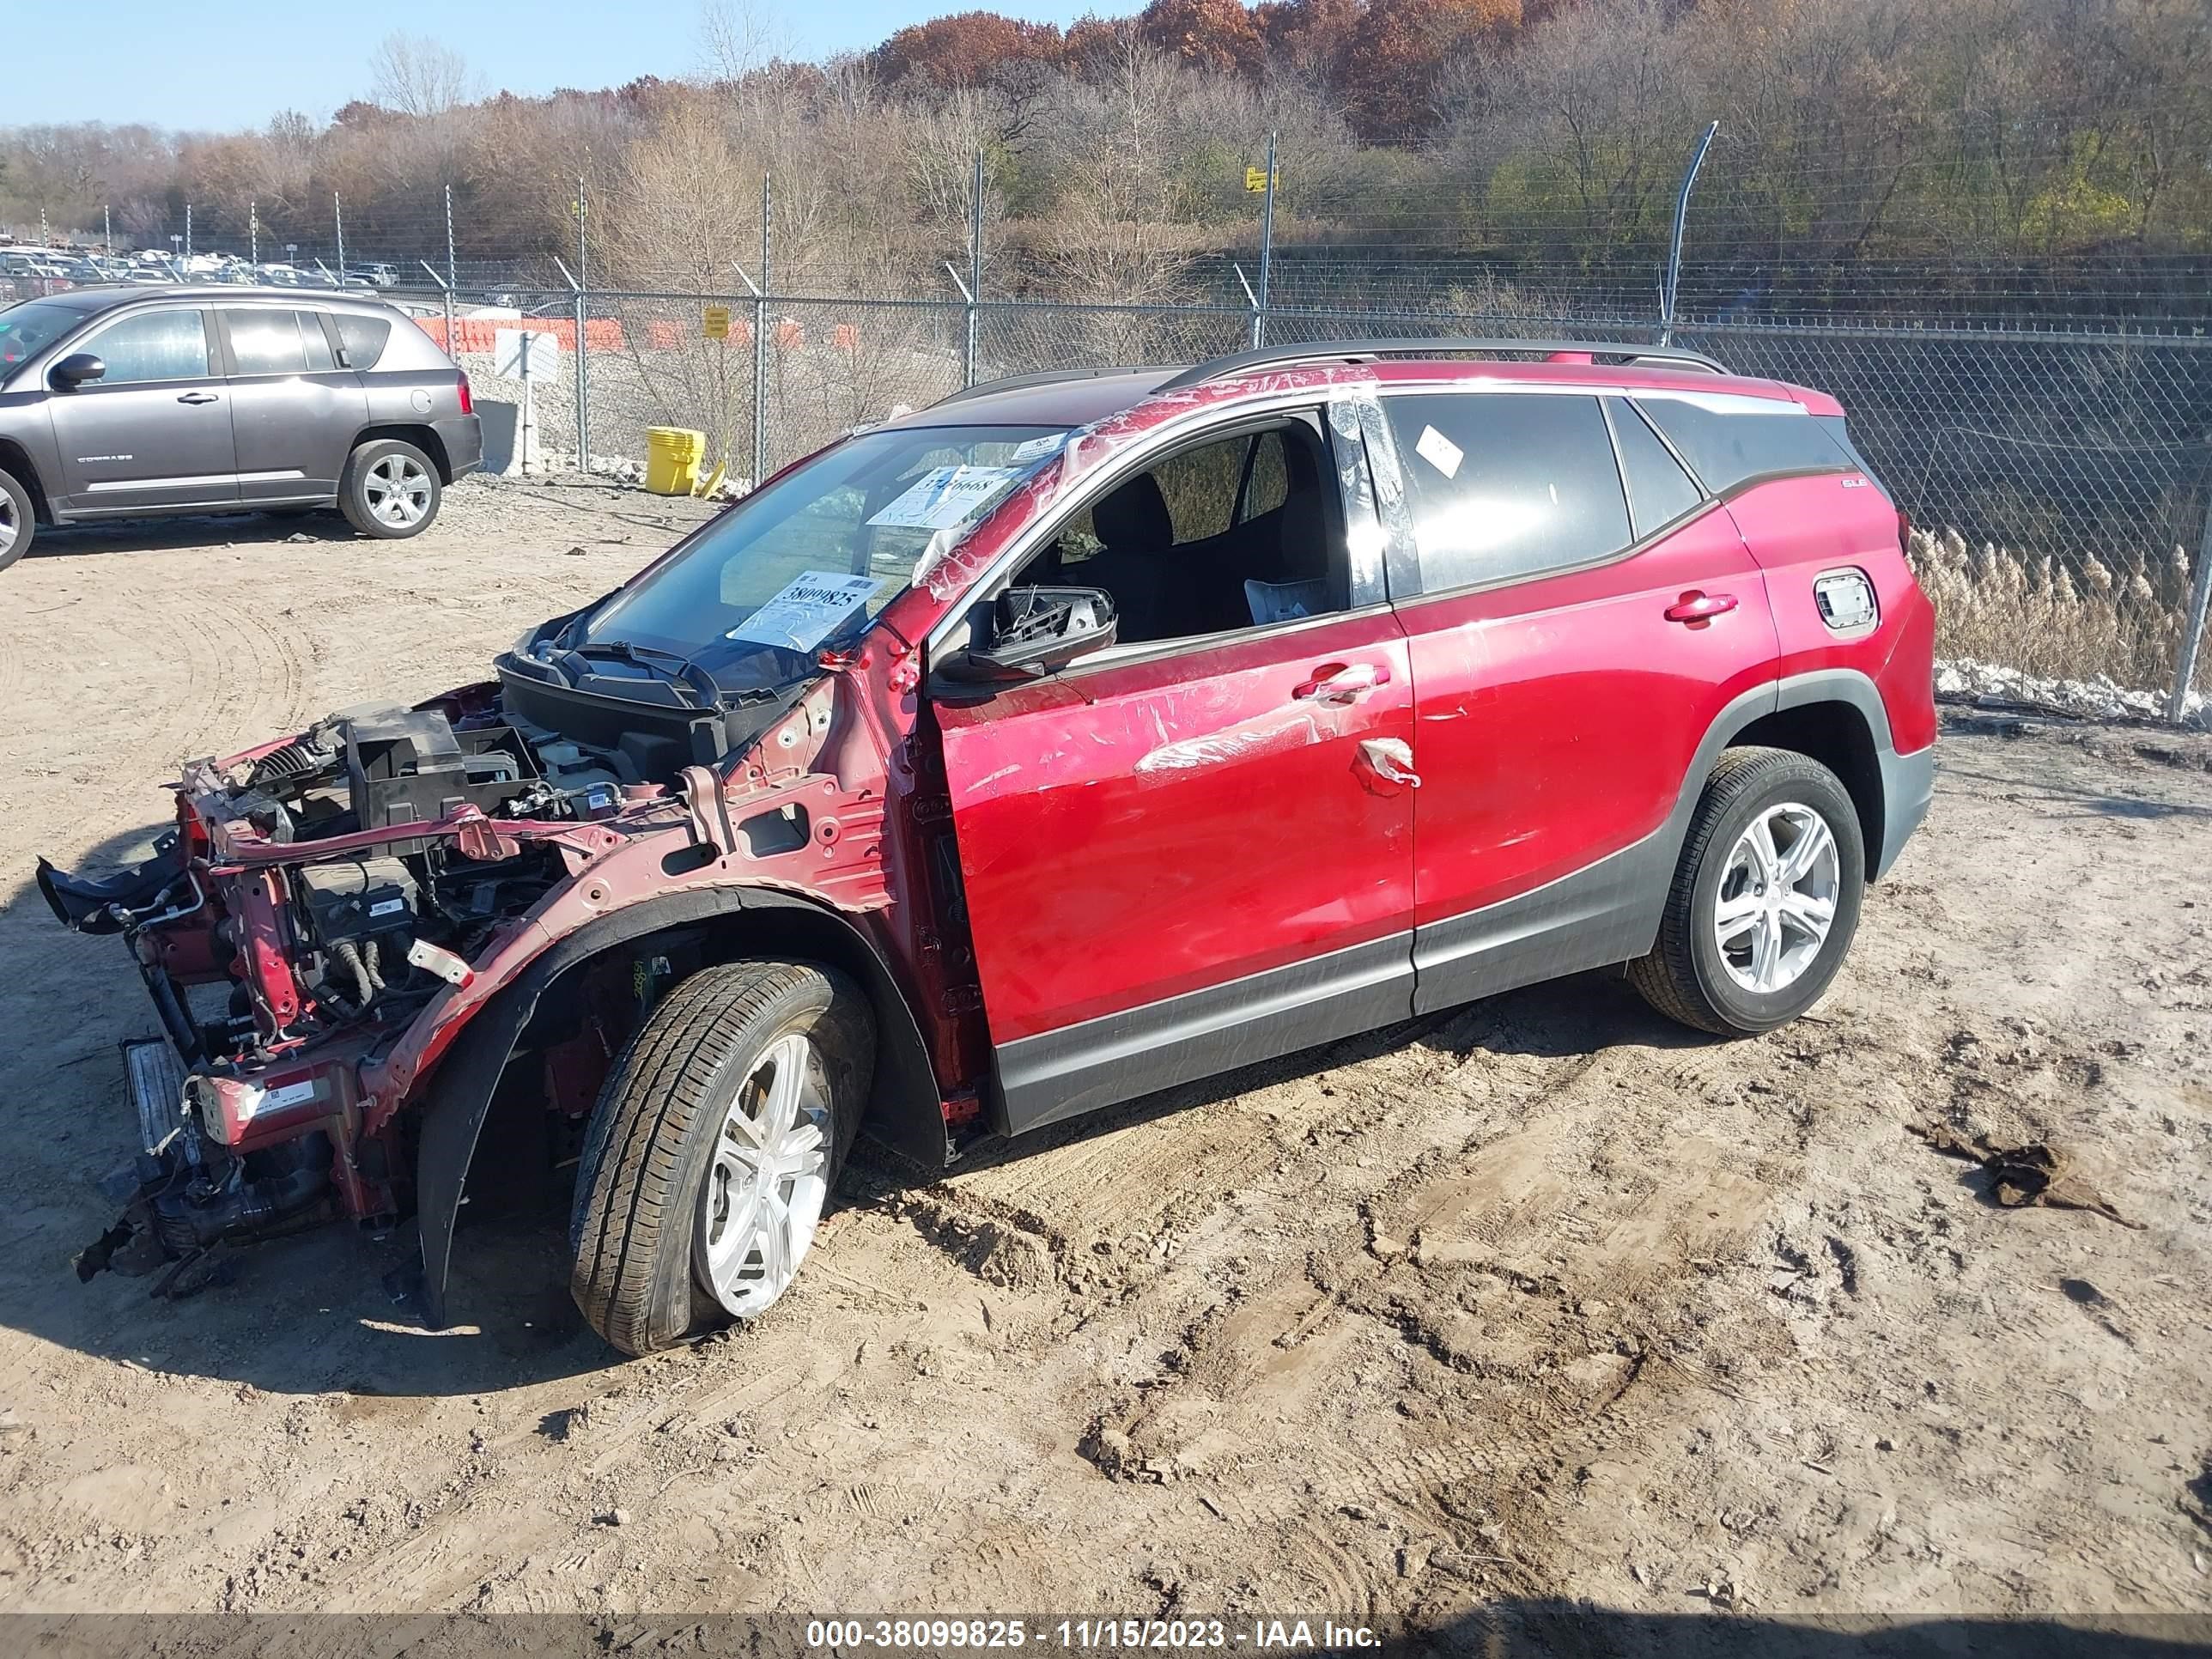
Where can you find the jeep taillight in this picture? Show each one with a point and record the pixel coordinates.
(1904, 532)
(469, 405)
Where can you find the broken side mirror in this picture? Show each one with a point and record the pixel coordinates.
(76, 369)
(1029, 632)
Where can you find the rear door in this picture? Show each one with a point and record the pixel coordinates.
(295, 413)
(1187, 854)
(154, 431)
(1586, 613)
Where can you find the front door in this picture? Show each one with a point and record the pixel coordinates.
(154, 432)
(293, 412)
(1193, 851)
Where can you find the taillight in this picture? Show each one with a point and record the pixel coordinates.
(469, 405)
(1904, 527)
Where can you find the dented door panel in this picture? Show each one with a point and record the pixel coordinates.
(1140, 831)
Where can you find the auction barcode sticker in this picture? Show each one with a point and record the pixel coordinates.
(807, 611)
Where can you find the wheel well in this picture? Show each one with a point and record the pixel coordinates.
(421, 437)
(903, 1107)
(15, 461)
(1835, 735)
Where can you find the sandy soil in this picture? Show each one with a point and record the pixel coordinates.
(1541, 1315)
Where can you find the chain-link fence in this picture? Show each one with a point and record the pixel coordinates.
(2061, 482)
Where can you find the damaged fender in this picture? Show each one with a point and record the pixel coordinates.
(903, 1112)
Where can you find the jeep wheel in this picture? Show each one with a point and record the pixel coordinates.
(714, 1148)
(19, 522)
(390, 489)
(1765, 896)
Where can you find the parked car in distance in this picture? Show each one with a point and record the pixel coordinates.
(135, 402)
(1083, 735)
(376, 276)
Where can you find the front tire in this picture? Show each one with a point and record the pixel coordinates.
(390, 490)
(1766, 898)
(713, 1147)
(19, 520)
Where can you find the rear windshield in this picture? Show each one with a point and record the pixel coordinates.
(364, 338)
(27, 330)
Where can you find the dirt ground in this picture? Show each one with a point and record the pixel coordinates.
(1541, 1318)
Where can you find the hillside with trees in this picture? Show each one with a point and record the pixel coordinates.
(1984, 156)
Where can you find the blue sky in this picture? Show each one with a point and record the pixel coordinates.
(228, 64)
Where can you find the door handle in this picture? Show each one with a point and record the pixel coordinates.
(1696, 607)
(1339, 681)
(200, 397)
(1391, 759)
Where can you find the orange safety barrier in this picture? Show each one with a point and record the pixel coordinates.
(481, 334)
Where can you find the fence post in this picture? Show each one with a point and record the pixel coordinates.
(452, 348)
(453, 280)
(253, 233)
(338, 218)
(106, 230)
(188, 229)
(760, 341)
(2192, 631)
(1670, 283)
(1266, 251)
(974, 285)
(1252, 299)
(583, 356)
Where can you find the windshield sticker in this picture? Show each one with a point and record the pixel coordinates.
(945, 496)
(1038, 447)
(807, 611)
(1439, 452)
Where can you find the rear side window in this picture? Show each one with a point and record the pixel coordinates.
(1726, 446)
(1659, 491)
(154, 345)
(1506, 485)
(265, 341)
(363, 338)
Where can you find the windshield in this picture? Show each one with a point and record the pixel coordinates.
(29, 328)
(810, 561)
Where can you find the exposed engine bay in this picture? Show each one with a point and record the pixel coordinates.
(315, 896)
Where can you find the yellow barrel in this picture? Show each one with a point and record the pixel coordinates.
(672, 460)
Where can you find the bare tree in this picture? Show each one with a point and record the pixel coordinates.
(414, 75)
(738, 39)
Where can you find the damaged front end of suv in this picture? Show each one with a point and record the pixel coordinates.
(329, 913)
(369, 941)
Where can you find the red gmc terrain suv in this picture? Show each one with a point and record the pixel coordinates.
(1081, 735)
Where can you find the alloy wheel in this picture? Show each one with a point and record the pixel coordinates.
(397, 489)
(768, 1182)
(9, 529)
(1776, 899)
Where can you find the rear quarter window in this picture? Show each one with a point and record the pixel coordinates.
(363, 337)
(1725, 446)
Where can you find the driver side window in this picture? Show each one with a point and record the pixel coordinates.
(1234, 533)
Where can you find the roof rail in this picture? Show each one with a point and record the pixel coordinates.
(1041, 377)
(1330, 351)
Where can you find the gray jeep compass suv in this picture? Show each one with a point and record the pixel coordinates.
(140, 402)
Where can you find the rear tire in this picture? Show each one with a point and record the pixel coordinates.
(19, 520)
(715, 1143)
(390, 489)
(1766, 898)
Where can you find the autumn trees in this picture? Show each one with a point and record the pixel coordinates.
(1868, 146)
